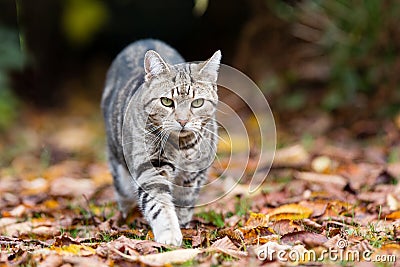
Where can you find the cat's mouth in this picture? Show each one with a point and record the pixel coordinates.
(184, 132)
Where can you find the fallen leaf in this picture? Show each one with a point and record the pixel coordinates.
(100, 174)
(135, 246)
(321, 178)
(64, 240)
(293, 156)
(361, 174)
(322, 164)
(394, 169)
(344, 154)
(392, 202)
(7, 221)
(283, 227)
(52, 260)
(73, 249)
(257, 219)
(256, 235)
(289, 212)
(18, 211)
(88, 261)
(66, 186)
(161, 259)
(336, 242)
(73, 138)
(225, 245)
(393, 216)
(318, 206)
(35, 186)
(304, 237)
(67, 168)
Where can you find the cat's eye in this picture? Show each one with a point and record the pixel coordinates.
(198, 102)
(168, 102)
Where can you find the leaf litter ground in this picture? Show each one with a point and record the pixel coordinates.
(327, 193)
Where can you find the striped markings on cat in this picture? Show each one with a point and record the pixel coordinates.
(236, 136)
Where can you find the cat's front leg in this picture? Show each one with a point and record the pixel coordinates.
(185, 196)
(155, 201)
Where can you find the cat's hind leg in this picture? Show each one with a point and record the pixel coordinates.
(124, 187)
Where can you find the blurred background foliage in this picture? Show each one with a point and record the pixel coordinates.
(340, 56)
(11, 59)
(359, 43)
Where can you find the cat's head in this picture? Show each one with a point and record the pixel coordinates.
(182, 98)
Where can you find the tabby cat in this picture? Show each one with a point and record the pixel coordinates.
(161, 132)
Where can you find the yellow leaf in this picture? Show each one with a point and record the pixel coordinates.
(74, 249)
(394, 215)
(257, 219)
(289, 212)
(51, 204)
(230, 143)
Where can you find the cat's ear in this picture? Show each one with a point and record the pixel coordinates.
(154, 64)
(210, 67)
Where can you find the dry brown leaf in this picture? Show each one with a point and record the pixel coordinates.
(7, 221)
(73, 138)
(304, 237)
(392, 202)
(225, 245)
(394, 169)
(88, 261)
(18, 211)
(336, 242)
(283, 227)
(100, 174)
(52, 260)
(321, 178)
(35, 186)
(318, 206)
(66, 186)
(361, 174)
(170, 257)
(68, 168)
(135, 246)
(341, 153)
(289, 212)
(293, 156)
(197, 236)
(64, 240)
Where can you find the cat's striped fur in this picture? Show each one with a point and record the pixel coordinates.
(161, 132)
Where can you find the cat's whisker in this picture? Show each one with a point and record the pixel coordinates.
(153, 129)
(216, 135)
(163, 142)
(213, 148)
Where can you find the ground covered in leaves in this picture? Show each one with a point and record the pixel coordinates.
(330, 198)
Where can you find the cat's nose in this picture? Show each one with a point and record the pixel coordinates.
(182, 122)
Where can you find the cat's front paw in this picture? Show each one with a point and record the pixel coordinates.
(170, 237)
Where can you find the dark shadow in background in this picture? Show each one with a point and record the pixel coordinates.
(54, 59)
